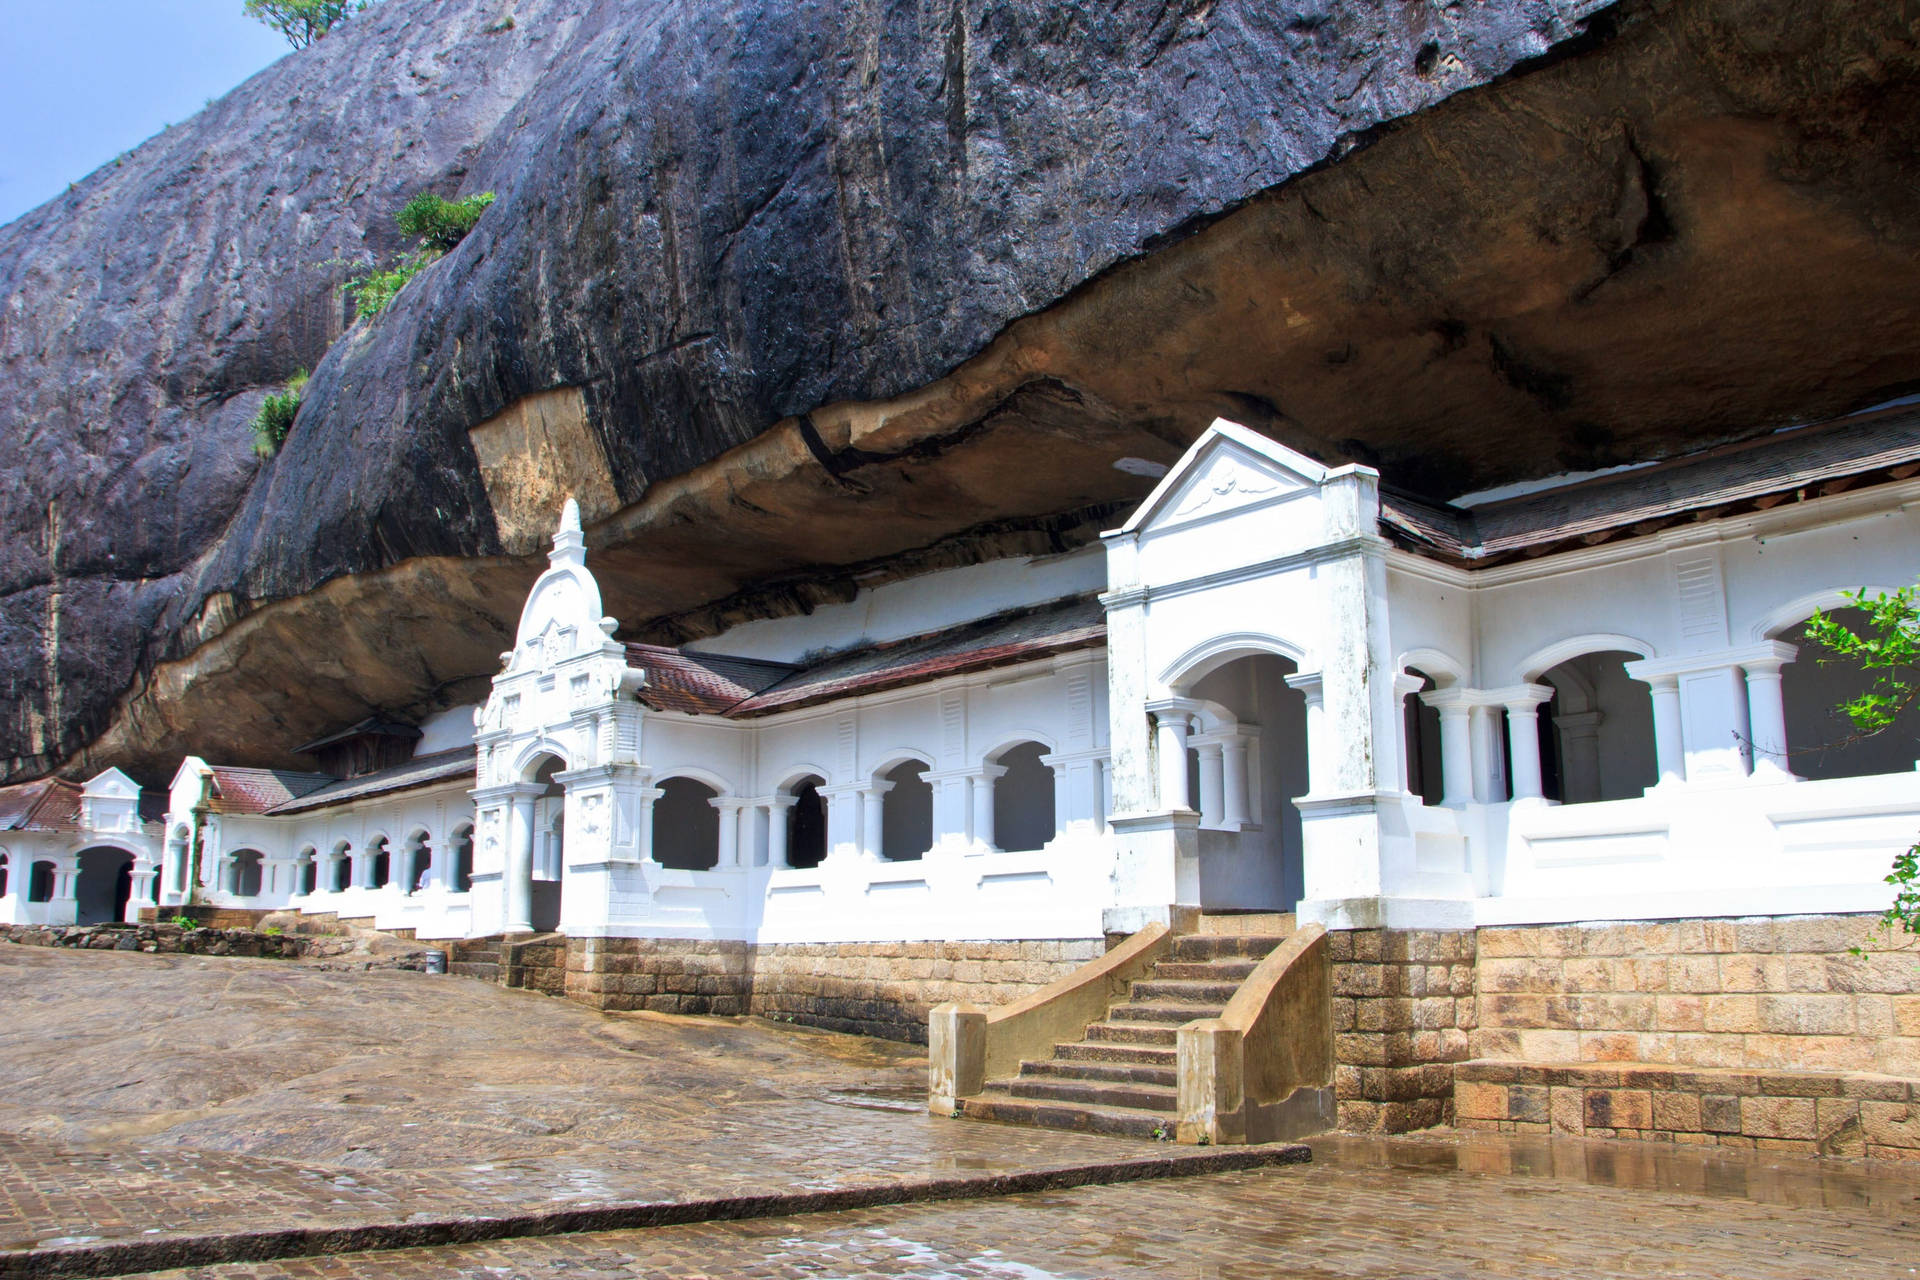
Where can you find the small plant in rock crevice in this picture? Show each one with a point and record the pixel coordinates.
(184, 922)
(276, 414)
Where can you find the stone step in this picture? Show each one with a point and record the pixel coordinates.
(1212, 947)
(1235, 971)
(1123, 1121)
(484, 971)
(1168, 1011)
(1118, 1072)
(1279, 924)
(1156, 1033)
(1093, 1093)
(1115, 1051)
(1159, 990)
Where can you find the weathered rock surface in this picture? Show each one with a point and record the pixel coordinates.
(921, 274)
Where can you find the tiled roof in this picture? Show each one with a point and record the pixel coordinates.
(372, 726)
(1788, 465)
(237, 790)
(1018, 636)
(438, 766)
(46, 804)
(701, 683)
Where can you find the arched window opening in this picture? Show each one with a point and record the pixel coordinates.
(245, 881)
(906, 813)
(549, 845)
(340, 867)
(6, 875)
(40, 882)
(380, 865)
(1822, 742)
(1023, 799)
(1422, 728)
(307, 875)
(1596, 732)
(686, 826)
(463, 858)
(807, 824)
(414, 865)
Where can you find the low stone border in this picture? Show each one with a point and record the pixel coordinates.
(171, 939)
(263, 1246)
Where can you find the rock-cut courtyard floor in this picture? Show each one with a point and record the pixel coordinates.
(166, 1109)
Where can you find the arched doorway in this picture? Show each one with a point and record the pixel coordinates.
(549, 844)
(906, 812)
(686, 826)
(103, 885)
(1253, 732)
(807, 823)
(1023, 798)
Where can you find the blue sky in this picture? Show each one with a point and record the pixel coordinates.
(83, 80)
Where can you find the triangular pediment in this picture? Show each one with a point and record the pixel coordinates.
(1228, 468)
(113, 784)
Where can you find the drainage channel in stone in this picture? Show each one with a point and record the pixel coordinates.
(49, 1260)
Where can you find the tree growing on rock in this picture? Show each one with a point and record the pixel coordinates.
(303, 21)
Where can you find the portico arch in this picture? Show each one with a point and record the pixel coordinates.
(547, 859)
(901, 799)
(805, 817)
(306, 870)
(686, 826)
(1203, 659)
(103, 884)
(1024, 811)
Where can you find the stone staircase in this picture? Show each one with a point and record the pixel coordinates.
(475, 958)
(1122, 1077)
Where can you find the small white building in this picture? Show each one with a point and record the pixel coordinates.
(72, 854)
(1277, 687)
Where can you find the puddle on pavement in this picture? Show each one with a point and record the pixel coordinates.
(903, 1098)
(1717, 1172)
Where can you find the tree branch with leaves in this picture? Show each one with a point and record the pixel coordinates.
(303, 21)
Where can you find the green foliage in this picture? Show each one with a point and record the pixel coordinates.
(185, 922)
(441, 224)
(372, 292)
(1887, 647)
(275, 418)
(303, 21)
(273, 931)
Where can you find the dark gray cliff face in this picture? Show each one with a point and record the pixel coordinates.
(711, 217)
(926, 270)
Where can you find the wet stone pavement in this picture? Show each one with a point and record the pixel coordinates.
(1469, 1206)
(144, 1099)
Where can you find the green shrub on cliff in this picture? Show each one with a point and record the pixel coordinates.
(439, 224)
(275, 416)
(303, 21)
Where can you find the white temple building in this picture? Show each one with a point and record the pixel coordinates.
(1277, 687)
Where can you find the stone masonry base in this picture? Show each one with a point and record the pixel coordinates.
(881, 989)
(1823, 1113)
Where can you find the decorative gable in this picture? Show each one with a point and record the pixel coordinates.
(562, 615)
(1229, 468)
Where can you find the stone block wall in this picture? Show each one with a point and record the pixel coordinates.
(1779, 993)
(879, 989)
(1816, 1113)
(1403, 1011)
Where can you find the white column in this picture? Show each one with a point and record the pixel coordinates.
(872, 819)
(1767, 716)
(1456, 746)
(1669, 748)
(518, 881)
(729, 831)
(1212, 786)
(982, 795)
(1233, 781)
(645, 819)
(1523, 739)
(1323, 765)
(1172, 732)
(779, 815)
(843, 822)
